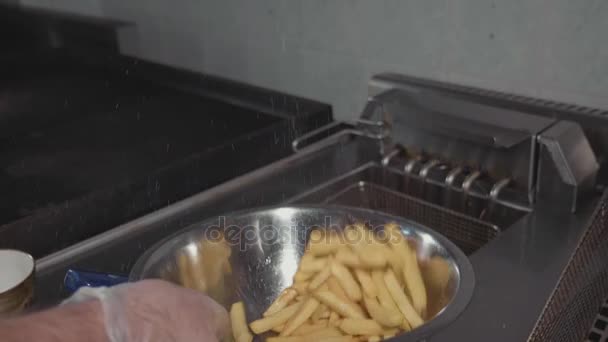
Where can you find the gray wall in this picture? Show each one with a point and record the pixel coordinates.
(327, 49)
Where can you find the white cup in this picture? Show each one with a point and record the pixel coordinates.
(16, 280)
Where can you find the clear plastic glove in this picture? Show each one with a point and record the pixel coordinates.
(155, 310)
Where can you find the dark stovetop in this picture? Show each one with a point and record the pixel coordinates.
(90, 139)
(119, 131)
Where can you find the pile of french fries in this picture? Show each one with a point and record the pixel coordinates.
(350, 286)
(205, 268)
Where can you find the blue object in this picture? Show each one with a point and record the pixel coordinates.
(75, 279)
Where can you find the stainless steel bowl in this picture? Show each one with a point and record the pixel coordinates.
(266, 245)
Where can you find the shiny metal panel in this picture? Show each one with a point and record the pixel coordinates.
(567, 167)
(498, 142)
(594, 121)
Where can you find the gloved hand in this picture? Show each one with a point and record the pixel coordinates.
(155, 310)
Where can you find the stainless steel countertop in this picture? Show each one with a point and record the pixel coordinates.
(515, 273)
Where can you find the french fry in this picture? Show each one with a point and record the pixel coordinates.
(201, 274)
(377, 242)
(316, 316)
(388, 333)
(278, 328)
(264, 324)
(400, 247)
(354, 326)
(369, 290)
(316, 235)
(208, 264)
(342, 307)
(307, 309)
(245, 338)
(381, 315)
(227, 268)
(401, 300)
(396, 240)
(301, 288)
(336, 288)
(240, 331)
(310, 264)
(346, 280)
(385, 298)
(360, 240)
(324, 287)
(301, 276)
(393, 234)
(367, 284)
(414, 282)
(325, 314)
(319, 279)
(333, 318)
(183, 266)
(347, 257)
(323, 333)
(405, 325)
(286, 339)
(312, 337)
(437, 274)
(308, 328)
(324, 244)
(395, 261)
(411, 270)
(282, 300)
(338, 339)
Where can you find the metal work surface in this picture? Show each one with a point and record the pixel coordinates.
(515, 272)
(584, 282)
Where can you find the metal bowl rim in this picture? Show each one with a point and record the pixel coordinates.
(29, 274)
(453, 309)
